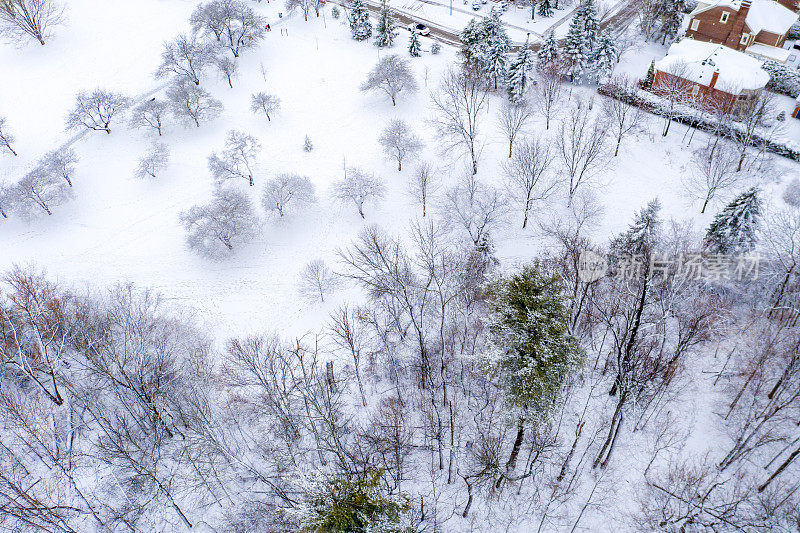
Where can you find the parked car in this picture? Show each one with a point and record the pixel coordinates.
(476, 5)
(421, 29)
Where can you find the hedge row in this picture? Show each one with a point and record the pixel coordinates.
(652, 104)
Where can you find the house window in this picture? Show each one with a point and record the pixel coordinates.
(745, 38)
(724, 18)
(695, 24)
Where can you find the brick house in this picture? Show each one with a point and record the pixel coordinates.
(703, 73)
(758, 27)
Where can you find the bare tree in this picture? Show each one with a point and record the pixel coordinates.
(5, 136)
(528, 177)
(237, 159)
(149, 114)
(317, 281)
(233, 23)
(7, 197)
(622, 119)
(304, 5)
(186, 58)
(41, 189)
(359, 187)
(752, 115)
(513, 119)
(192, 104)
(286, 191)
(215, 228)
(35, 321)
(459, 105)
(548, 94)
(675, 89)
(423, 185)
(350, 336)
(399, 142)
(581, 147)
(392, 75)
(156, 160)
(29, 18)
(714, 172)
(227, 67)
(264, 103)
(95, 110)
(475, 206)
(60, 163)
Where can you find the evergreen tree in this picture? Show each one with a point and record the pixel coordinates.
(413, 45)
(734, 229)
(651, 74)
(385, 32)
(517, 80)
(548, 55)
(576, 49)
(360, 26)
(534, 353)
(347, 504)
(495, 46)
(545, 8)
(591, 26)
(641, 238)
(671, 18)
(604, 57)
(472, 38)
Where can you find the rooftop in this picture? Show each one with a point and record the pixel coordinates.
(696, 61)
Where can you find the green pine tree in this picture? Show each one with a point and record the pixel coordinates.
(413, 45)
(576, 49)
(346, 505)
(472, 38)
(604, 57)
(534, 352)
(549, 55)
(360, 26)
(385, 32)
(545, 8)
(735, 228)
(651, 74)
(495, 46)
(517, 78)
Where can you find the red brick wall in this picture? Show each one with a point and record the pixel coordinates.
(711, 30)
(664, 82)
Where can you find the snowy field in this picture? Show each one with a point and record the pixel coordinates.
(119, 228)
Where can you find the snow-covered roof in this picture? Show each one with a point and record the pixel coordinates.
(697, 60)
(764, 15)
(767, 15)
(770, 52)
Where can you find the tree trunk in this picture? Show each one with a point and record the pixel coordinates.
(512, 459)
(780, 469)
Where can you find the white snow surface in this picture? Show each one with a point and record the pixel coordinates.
(697, 61)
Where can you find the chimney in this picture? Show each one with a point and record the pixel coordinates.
(737, 29)
(714, 78)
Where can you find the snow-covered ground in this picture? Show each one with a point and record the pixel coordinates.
(121, 228)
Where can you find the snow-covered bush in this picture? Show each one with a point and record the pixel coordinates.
(791, 194)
